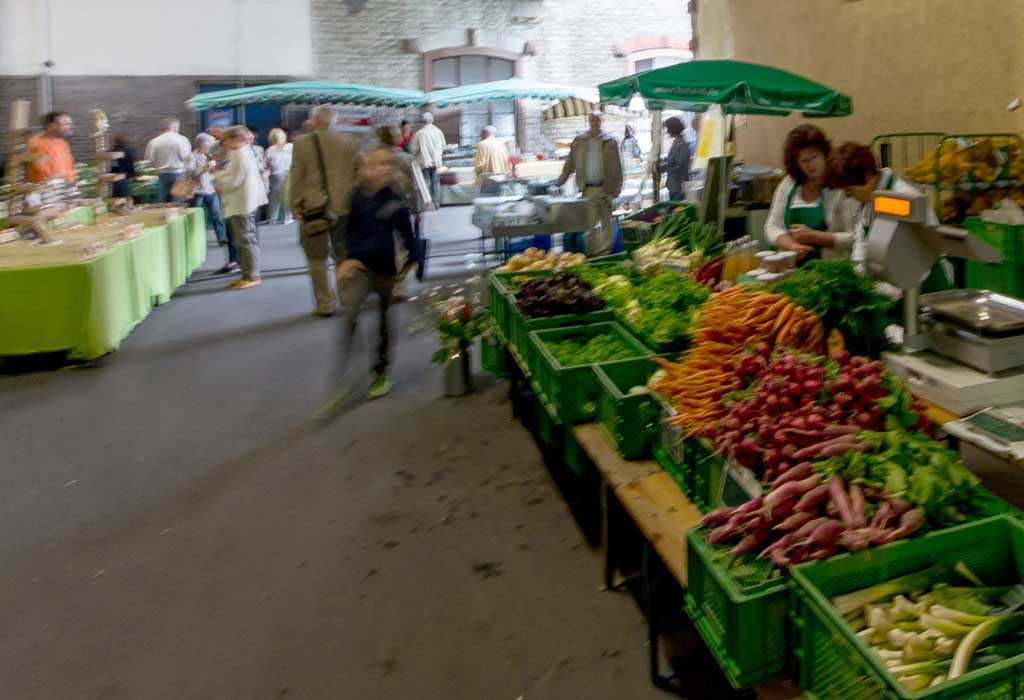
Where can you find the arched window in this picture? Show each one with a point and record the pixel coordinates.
(454, 67)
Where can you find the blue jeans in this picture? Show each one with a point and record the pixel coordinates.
(433, 179)
(165, 182)
(210, 203)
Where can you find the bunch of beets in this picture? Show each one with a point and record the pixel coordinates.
(790, 408)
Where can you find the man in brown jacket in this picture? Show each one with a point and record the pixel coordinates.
(594, 157)
(320, 189)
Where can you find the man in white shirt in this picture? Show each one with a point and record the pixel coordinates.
(594, 157)
(428, 150)
(167, 154)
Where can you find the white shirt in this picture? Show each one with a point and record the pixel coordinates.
(168, 151)
(840, 216)
(240, 184)
(428, 147)
(279, 159)
(595, 166)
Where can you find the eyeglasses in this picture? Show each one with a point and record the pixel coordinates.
(808, 160)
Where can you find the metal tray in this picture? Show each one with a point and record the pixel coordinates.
(985, 311)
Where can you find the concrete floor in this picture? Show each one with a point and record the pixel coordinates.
(175, 525)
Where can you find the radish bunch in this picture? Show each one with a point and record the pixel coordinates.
(790, 407)
(806, 517)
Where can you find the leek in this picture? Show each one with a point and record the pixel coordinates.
(993, 627)
(947, 627)
(919, 580)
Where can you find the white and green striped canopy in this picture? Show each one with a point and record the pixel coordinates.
(510, 89)
(323, 91)
(308, 92)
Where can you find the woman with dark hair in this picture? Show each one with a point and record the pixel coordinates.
(677, 165)
(807, 217)
(852, 168)
(405, 136)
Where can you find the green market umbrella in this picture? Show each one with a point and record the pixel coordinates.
(510, 89)
(738, 87)
(304, 92)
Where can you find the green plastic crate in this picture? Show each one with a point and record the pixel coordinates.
(573, 454)
(545, 425)
(833, 664)
(1007, 278)
(632, 420)
(571, 391)
(741, 613)
(1007, 238)
(494, 356)
(521, 327)
(707, 466)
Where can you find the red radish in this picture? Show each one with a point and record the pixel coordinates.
(825, 534)
(800, 471)
(748, 544)
(750, 506)
(794, 521)
(721, 534)
(812, 386)
(859, 507)
(717, 517)
(841, 356)
(823, 553)
(812, 497)
(855, 540)
(782, 468)
(837, 430)
(837, 491)
(910, 522)
(807, 528)
(864, 419)
(779, 558)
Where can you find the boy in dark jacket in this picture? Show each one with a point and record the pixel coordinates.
(377, 213)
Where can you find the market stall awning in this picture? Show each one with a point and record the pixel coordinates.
(740, 88)
(306, 92)
(511, 89)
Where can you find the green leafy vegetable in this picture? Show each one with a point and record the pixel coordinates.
(844, 300)
(600, 348)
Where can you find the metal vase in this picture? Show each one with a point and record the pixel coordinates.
(458, 373)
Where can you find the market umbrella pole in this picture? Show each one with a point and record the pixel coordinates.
(723, 177)
(654, 158)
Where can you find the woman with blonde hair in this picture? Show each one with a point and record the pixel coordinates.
(242, 194)
(279, 162)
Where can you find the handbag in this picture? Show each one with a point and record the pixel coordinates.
(184, 188)
(318, 220)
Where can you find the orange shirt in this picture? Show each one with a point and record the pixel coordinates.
(59, 162)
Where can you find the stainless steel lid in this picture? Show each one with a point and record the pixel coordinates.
(980, 309)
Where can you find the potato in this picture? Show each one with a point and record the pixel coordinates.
(505, 268)
(531, 252)
(579, 258)
(518, 259)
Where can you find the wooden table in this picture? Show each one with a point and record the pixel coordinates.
(663, 514)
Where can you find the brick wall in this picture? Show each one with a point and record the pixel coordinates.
(134, 104)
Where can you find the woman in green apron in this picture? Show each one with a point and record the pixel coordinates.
(805, 214)
(852, 168)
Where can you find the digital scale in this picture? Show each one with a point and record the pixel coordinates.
(963, 350)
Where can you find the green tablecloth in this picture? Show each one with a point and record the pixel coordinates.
(88, 308)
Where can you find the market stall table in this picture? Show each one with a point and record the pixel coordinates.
(663, 514)
(53, 300)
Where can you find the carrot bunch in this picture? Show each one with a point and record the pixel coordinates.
(729, 323)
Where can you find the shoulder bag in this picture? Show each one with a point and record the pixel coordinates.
(318, 220)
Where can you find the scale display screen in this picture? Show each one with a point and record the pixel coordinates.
(993, 425)
(893, 206)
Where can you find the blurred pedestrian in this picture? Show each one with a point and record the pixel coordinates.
(199, 166)
(166, 154)
(491, 155)
(377, 216)
(242, 193)
(428, 149)
(52, 143)
(630, 147)
(405, 138)
(677, 164)
(125, 165)
(279, 163)
(319, 192)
